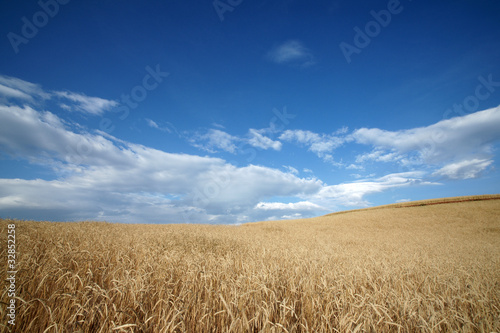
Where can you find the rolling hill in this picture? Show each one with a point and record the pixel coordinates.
(424, 266)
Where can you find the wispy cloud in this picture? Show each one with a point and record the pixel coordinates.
(165, 127)
(378, 156)
(152, 123)
(293, 210)
(293, 170)
(17, 89)
(354, 193)
(11, 87)
(215, 140)
(302, 205)
(86, 104)
(322, 145)
(465, 169)
(257, 139)
(291, 52)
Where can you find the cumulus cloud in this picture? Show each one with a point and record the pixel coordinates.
(100, 177)
(291, 52)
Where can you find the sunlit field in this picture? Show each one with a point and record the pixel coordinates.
(412, 267)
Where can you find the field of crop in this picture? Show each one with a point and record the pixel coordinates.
(419, 268)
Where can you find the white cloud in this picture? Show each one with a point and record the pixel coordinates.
(353, 194)
(11, 87)
(99, 177)
(291, 169)
(27, 92)
(461, 147)
(215, 140)
(464, 169)
(234, 188)
(218, 125)
(13, 93)
(455, 139)
(378, 156)
(260, 141)
(291, 52)
(302, 206)
(320, 144)
(354, 167)
(151, 123)
(27, 132)
(87, 104)
(290, 217)
(293, 210)
(165, 127)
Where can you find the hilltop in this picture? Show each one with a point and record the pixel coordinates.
(428, 202)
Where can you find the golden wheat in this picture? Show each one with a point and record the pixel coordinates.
(429, 268)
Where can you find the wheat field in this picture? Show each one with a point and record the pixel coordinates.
(397, 268)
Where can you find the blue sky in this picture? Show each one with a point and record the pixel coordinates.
(232, 111)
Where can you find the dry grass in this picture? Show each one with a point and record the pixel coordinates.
(432, 268)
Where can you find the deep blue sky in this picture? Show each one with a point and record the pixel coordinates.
(261, 116)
